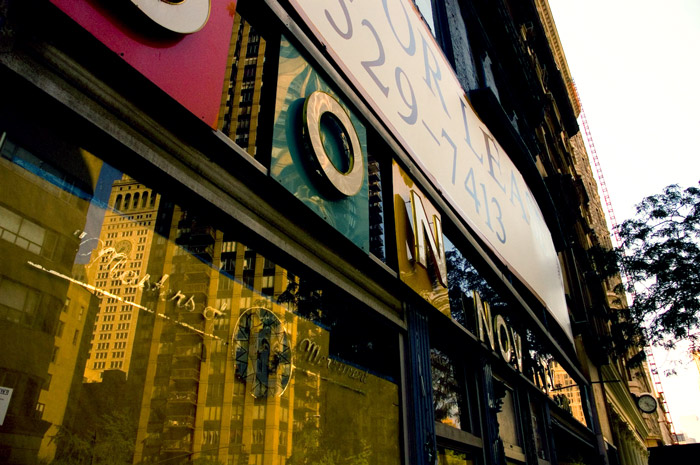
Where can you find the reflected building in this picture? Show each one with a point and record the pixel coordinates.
(240, 100)
(240, 368)
(196, 400)
(117, 265)
(58, 401)
(43, 208)
(566, 393)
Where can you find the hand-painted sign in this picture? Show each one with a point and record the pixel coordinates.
(388, 52)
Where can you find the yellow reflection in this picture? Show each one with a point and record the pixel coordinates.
(169, 340)
(453, 457)
(565, 392)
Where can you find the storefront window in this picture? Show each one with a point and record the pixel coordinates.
(509, 428)
(138, 328)
(448, 390)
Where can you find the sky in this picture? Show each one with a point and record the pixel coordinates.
(636, 64)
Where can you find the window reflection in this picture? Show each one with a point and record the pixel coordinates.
(552, 379)
(566, 393)
(463, 280)
(447, 389)
(242, 90)
(143, 332)
(508, 418)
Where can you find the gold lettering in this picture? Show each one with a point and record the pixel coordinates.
(517, 348)
(434, 245)
(483, 315)
(504, 347)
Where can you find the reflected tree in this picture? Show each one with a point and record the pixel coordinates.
(111, 442)
(463, 279)
(313, 447)
(447, 398)
(303, 298)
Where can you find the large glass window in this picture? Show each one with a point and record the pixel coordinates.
(509, 417)
(221, 354)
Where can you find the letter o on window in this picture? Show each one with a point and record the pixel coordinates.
(333, 181)
(504, 346)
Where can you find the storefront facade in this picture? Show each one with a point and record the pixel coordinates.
(286, 233)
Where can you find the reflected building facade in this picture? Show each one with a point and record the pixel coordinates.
(43, 208)
(240, 101)
(116, 263)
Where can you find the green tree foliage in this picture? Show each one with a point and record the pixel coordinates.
(660, 259)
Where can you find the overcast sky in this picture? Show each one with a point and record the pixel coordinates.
(637, 68)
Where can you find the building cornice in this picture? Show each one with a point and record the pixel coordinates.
(550, 29)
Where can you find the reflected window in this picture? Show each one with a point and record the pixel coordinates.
(26, 234)
(18, 303)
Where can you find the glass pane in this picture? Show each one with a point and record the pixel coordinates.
(447, 389)
(166, 337)
(508, 418)
(12, 295)
(463, 281)
(552, 379)
(565, 392)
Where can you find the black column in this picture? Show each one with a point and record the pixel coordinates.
(422, 448)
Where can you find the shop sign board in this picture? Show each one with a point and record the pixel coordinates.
(389, 54)
(182, 47)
